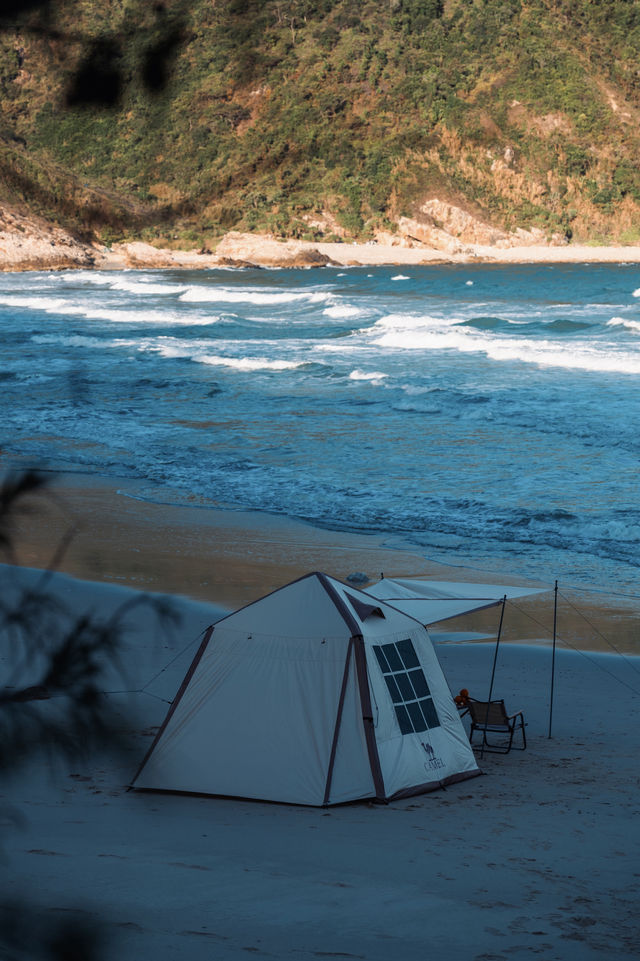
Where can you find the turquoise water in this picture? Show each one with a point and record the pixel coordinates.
(485, 414)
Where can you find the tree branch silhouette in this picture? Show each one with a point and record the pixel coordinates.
(52, 705)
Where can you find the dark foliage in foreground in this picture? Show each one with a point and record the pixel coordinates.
(52, 708)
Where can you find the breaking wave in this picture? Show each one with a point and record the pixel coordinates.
(428, 333)
(633, 325)
(261, 297)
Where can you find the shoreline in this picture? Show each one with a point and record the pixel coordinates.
(230, 558)
(45, 247)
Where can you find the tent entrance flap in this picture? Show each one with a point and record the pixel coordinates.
(336, 732)
(367, 718)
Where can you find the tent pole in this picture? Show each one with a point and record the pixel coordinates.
(495, 655)
(553, 655)
(493, 670)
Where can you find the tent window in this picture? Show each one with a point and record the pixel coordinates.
(429, 712)
(396, 696)
(417, 717)
(407, 652)
(404, 720)
(419, 682)
(392, 656)
(407, 686)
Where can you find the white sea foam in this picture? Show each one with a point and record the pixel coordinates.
(78, 340)
(430, 334)
(342, 347)
(97, 277)
(116, 315)
(345, 311)
(142, 286)
(633, 325)
(123, 281)
(401, 277)
(247, 363)
(155, 317)
(198, 351)
(260, 296)
(407, 322)
(546, 354)
(469, 283)
(373, 375)
(48, 304)
(636, 292)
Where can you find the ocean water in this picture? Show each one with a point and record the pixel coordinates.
(487, 415)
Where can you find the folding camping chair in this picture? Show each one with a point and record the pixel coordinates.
(492, 717)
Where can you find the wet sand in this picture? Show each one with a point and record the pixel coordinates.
(230, 558)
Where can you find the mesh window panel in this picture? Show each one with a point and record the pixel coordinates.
(404, 720)
(382, 661)
(416, 715)
(419, 682)
(392, 656)
(429, 712)
(396, 696)
(407, 652)
(407, 686)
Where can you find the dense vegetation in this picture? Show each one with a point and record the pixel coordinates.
(322, 117)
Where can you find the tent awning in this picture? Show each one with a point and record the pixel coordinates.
(432, 601)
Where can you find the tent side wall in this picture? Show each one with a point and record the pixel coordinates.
(257, 720)
(421, 742)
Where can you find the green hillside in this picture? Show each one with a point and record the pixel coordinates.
(318, 118)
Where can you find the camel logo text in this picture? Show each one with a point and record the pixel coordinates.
(433, 762)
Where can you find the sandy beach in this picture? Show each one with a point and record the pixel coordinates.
(28, 243)
(245, 250)
(536, 858)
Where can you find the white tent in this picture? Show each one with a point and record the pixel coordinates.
(315, 694)
(433, 601)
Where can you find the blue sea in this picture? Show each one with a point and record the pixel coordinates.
(485, 415)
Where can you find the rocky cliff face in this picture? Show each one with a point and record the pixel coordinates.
(30, 243)
(446, 227)
(440, 122)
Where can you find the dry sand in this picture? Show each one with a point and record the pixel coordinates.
(245, 250)
(537, 858)
(27, 243)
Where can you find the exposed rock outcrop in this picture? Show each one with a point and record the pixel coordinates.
(139, 254)
(28, 243)
(445, 227)
(264, 250)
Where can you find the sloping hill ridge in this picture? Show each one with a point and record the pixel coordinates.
(446, 121)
